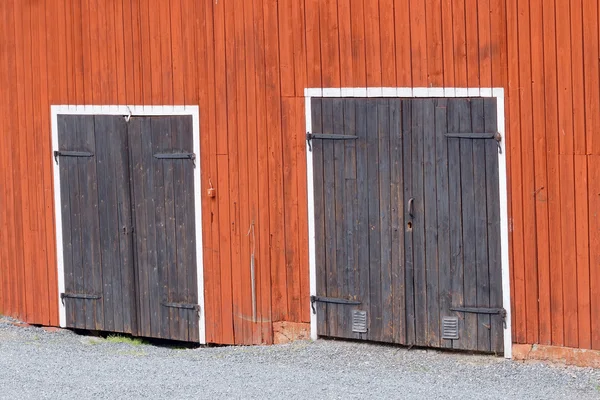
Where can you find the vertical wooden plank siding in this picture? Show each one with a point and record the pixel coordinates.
(247, 68)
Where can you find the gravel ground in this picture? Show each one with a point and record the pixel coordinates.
(37, 364)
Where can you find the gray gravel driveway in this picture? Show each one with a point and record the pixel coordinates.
(35, 364)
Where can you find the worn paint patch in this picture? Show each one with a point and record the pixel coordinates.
(287, 332)
(563, 355)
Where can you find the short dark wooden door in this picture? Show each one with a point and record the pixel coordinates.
(407, 221)
(128, 224)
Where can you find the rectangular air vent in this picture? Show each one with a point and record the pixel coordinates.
(450, 328)
(359, 321)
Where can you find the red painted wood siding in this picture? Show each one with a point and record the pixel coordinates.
(246, 65)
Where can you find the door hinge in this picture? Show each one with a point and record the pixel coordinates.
(483, 310)
(328, 136)
(177, 156)
(185, 306)
(65, 153)
(334, 300)
(83, 296)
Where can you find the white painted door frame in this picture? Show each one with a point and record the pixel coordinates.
(406, 92)
(126, 112)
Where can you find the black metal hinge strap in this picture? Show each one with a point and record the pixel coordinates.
(471, 135)
(185, 306)
(334, 300)
(83, 296)
(177, 156)
(64, 153)
(327, 136)
(482, 310)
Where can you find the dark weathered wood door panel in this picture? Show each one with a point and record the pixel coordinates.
(96, 204)
(164, 215)
(128, 221)
(407, 220)
(359, 235)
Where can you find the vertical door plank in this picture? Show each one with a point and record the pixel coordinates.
(330, 221)
(443, 213)
(385, 220)
(397, 222)
(116, 202)
(350, 226)
(65, 127)
(125, 302)
(184, 238)
(407, 137)
(373, 185)
(480, 218)
(165, 226)
(135, 130)
(319, 190)
(78, 245)
(467, 185)
(492, 177)
(431, 266)
(418, 233)
(362, 205)
(107, 214)
(339, 245)
(455, 108)
(149, 239)
(167, 138)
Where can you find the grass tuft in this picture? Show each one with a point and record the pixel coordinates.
(126, 340)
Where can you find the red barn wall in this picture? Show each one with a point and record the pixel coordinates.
(246, 64)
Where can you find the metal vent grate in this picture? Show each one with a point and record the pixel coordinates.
(450, 328)
(359, 321)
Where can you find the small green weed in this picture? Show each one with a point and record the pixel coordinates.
(126, 340)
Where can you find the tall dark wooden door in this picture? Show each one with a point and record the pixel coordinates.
(163, 185)
(128, 224)
(407, 221)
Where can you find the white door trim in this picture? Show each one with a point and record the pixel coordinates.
(408, 92)
(126, 111)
